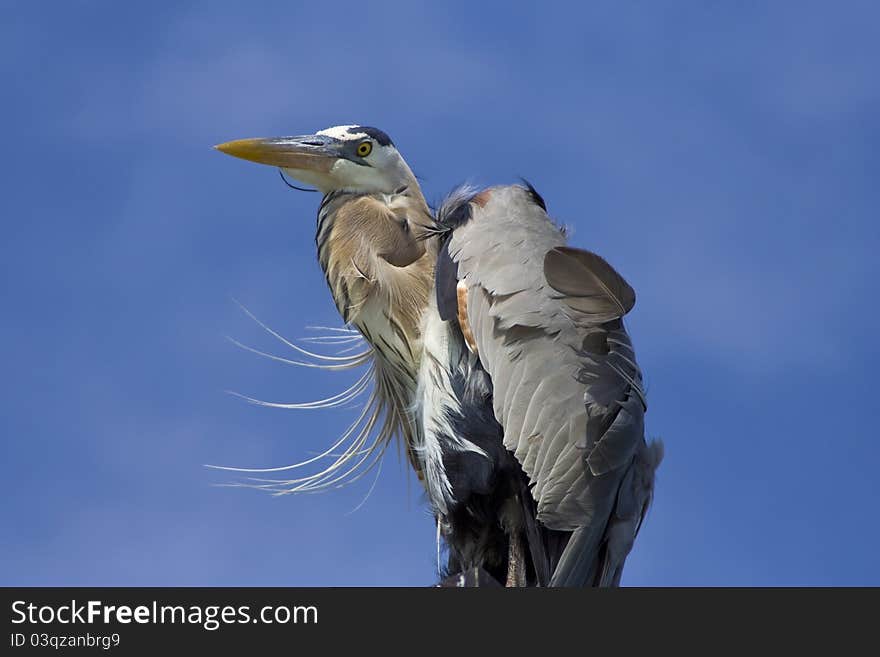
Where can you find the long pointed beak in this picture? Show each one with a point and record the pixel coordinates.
(311, 152)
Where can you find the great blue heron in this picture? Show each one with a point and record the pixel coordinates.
(500, 359)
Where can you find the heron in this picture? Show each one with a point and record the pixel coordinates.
(499, 360)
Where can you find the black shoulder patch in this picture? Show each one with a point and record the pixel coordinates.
(374, 133)
(445, 284)
(536, 197)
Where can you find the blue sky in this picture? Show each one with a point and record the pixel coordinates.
(723, 156)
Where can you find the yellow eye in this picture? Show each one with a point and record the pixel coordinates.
(365, 148)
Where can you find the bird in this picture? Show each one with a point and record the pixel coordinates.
(499, 361)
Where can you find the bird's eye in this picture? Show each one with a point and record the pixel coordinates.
(365, 148)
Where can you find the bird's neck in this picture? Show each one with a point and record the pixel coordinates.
(378, 273)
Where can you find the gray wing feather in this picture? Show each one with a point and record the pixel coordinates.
(567, 390)
(589, 284)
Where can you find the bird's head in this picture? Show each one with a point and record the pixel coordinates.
(349, 157)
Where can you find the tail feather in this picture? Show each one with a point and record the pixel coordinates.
(580, 559)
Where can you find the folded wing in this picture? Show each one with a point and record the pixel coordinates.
(547, 324)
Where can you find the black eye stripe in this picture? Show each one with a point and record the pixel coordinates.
(380, 137)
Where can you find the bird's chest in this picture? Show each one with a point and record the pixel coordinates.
(397, 347)
(459, 436)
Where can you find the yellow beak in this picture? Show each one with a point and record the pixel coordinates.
(310, 153)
